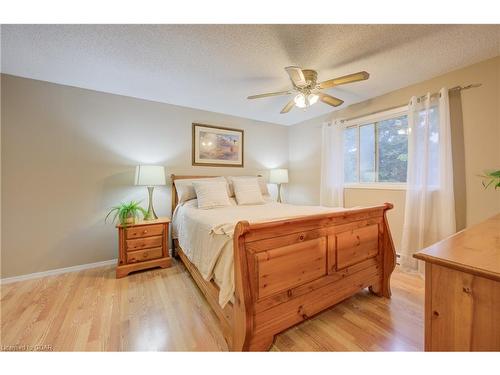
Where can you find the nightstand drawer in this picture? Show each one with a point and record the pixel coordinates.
(144, 243)
(144, 231)
(142, 255)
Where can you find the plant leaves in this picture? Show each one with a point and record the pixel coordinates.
(125, 210)
(491, 178)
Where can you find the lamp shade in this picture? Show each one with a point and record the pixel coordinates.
(149, 175)
(278, 176)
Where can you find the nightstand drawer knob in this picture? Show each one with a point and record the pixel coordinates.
(144, 231)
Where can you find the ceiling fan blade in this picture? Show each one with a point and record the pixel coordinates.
(330, 100)
(270, 94)
(355, 77)
(288, 106)
(296, 76)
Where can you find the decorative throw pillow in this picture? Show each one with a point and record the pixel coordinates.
(261, 180)
(211, 194)
(247, 191)
(185, 188)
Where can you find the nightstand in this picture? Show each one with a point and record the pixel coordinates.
(143, 245)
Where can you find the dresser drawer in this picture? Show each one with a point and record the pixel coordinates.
(144, 231)
(144, 243)
(142, 255)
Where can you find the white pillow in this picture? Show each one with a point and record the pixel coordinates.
(247, 191)
(211, 194)
(185, 189)
(261, 180)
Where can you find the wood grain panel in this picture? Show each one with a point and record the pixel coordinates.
(301, 308)
(276, 299)
(125, 269)
(462, 290)
(290, 239)
(144, 231)
(323, 289)
(475, 250)
(357, 245)
(142, 255)
(286, 267)
(144, 243)
(272, 229)
(464, 312)
(332, 254)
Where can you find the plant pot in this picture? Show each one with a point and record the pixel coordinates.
(129, 220)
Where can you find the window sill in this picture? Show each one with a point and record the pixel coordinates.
(376, 186)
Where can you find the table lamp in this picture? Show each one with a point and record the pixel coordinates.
(150, 176)
(278, 176)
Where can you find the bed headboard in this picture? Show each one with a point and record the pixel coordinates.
(175, 198)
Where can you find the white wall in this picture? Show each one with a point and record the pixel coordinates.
(68, 154)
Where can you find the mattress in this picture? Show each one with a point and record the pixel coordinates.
(206, 236)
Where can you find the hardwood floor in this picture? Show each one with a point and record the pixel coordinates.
(164, 310)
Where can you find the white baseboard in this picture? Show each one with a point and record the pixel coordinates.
(57, 271)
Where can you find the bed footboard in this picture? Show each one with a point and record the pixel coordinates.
(287, 271)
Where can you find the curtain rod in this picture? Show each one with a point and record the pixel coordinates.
(456, 88)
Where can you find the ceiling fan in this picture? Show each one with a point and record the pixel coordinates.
(308, 91)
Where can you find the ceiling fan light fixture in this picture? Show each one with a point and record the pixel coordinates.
(312, 98)
(307, 90)
(300, 101)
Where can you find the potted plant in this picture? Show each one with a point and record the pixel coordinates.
(491, 178)
(126, 213)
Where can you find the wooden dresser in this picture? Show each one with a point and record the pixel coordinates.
(142, 245)
(462, 290)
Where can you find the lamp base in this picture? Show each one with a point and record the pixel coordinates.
(279, 199)
(151, 214)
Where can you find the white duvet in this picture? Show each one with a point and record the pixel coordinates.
(206, 235)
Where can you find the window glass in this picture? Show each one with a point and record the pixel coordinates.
(392, 149)
(378, 152)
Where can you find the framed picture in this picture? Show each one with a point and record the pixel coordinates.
(215, 146)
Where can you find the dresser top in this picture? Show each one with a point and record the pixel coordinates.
(474, 250)
(160, 220)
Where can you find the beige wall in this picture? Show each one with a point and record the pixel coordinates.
(68, 154)
(373, 197)
(481, 128)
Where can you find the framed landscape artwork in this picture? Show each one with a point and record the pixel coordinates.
(215, 146)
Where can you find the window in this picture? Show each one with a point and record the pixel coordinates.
(376, 149)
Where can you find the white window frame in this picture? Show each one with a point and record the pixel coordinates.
(366, 120)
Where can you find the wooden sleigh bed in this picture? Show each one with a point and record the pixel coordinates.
(289, 270)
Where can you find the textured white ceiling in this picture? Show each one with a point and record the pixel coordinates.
(215, 67)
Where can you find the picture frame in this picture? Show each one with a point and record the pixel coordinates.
(217, 146)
